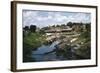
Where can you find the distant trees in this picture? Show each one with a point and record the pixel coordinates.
(26, 28)
(53, 26)
(76, 26)
(62, 25)
(88, 27)
(46, 28)
(70, 24)
(31, 28)
(57, 25)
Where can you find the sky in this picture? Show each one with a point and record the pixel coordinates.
(49, 18)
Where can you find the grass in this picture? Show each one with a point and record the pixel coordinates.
(34, 39)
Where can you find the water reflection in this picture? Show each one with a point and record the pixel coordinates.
(53, 52)
(47, 53)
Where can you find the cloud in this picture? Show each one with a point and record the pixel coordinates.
(29, 17)
(29, 13)
(83, 17)
(59, 18)
(44, 18)
(79, 17)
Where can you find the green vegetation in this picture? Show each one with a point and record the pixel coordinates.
(85, 47)
(32, 39)
(84, 40)
(85, 50)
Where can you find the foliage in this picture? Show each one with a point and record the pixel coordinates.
(69, 24)
(26, 28)
(31, 42)
(34, 39)
(33, 28)
(85, 48)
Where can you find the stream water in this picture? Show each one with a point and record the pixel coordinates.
(49, 53)
(39, 54)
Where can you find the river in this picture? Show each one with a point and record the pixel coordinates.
(49, 53)
(40, 53)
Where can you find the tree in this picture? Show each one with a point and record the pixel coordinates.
(57, 25)
(53, 26)
(45, 28)
(33, 28)
(42, 31)
(26, 28)
(88, 27)
(63, 25)
(70, 24)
